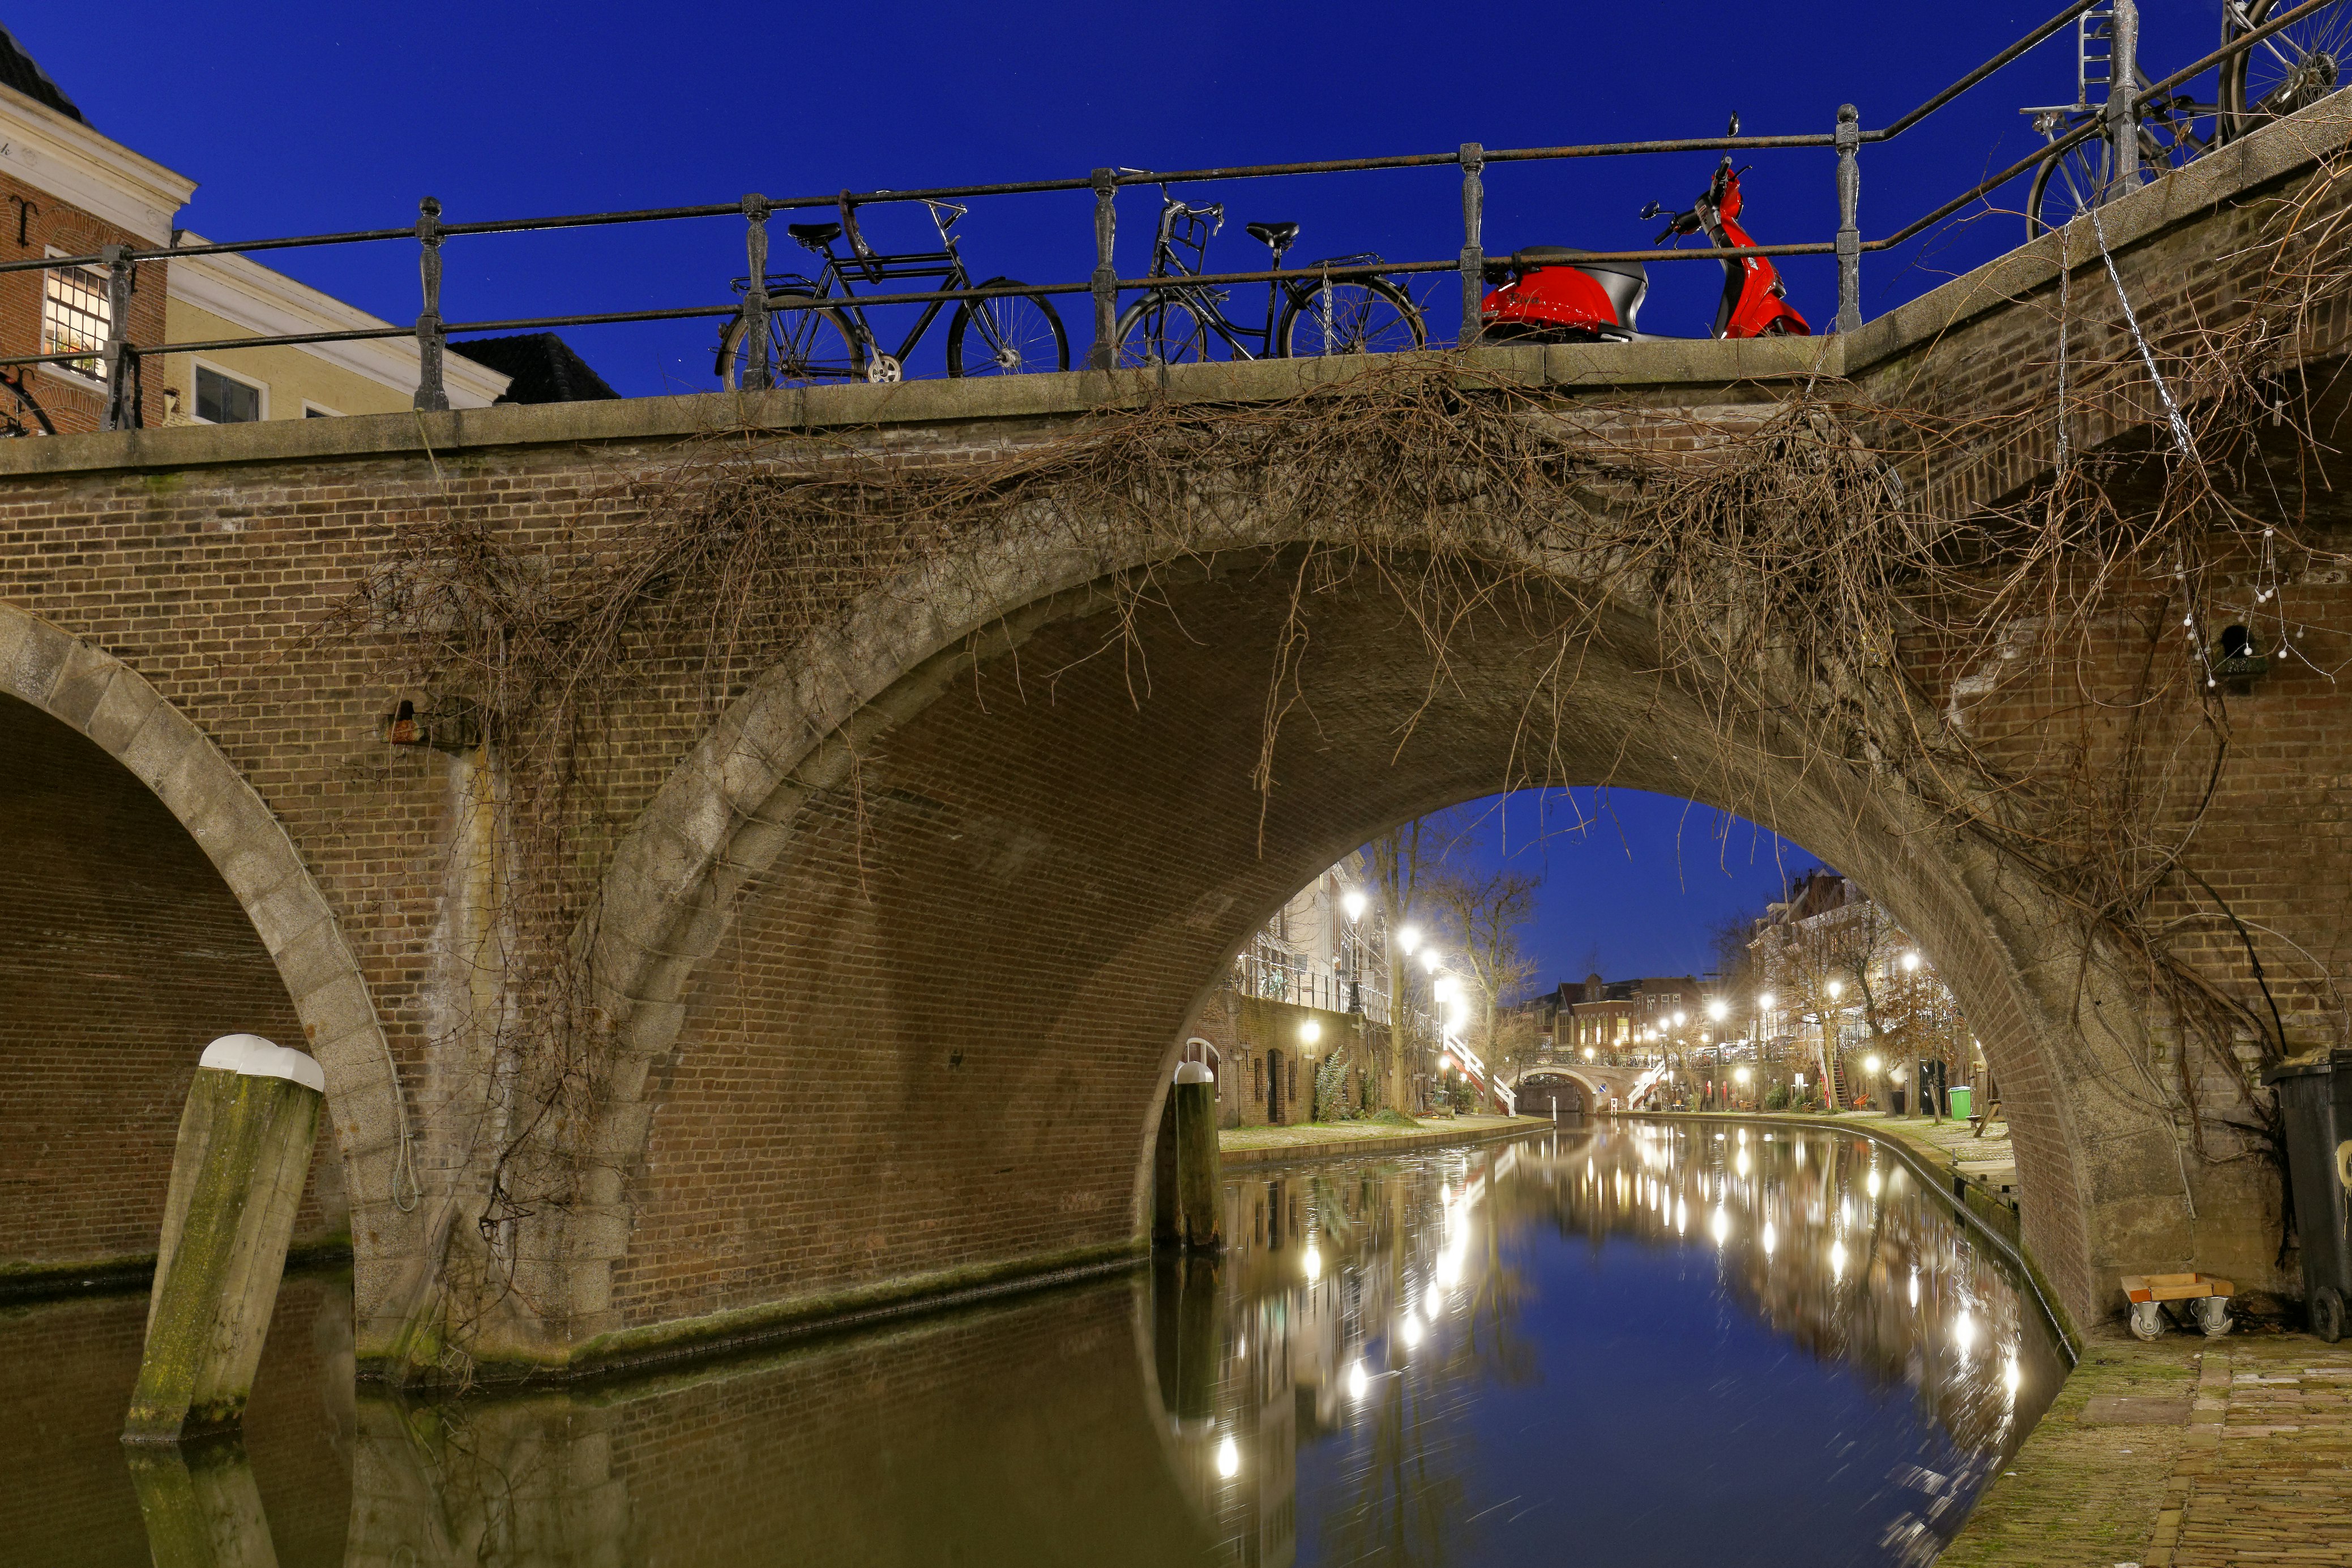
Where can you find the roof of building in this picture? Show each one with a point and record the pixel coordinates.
(543, 367)
(21, 71)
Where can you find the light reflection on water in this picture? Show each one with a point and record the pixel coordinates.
(1644, 1343)
(1655, 1343)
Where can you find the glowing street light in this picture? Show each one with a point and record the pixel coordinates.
(1836, 989)
(1429, 959)
(1678, 1020)
(1229, 1460)
(1910, 961)
(1352, 902)
(1765, 1001)
(1870, 1063)
(1309, 1032)
(1408, 938)
(1716, 1008)
(1446, 988)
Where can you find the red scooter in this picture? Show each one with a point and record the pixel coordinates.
(1557, 295)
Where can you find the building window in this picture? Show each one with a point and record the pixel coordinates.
(75, 316)
(224, 399)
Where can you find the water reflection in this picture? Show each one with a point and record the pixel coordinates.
(1667, 1342)
(1646, 1344)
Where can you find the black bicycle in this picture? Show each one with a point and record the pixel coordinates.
(1178, 322)
(810, 343)
(2293, 67)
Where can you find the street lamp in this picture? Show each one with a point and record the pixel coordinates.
(1352, 901)
(1910, 961)
(1836, 989)
(1716, 1008)
(1309, 1032)
(1408, 938)
(1429, 959)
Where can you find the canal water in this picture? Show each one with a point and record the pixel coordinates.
(1698, 1343)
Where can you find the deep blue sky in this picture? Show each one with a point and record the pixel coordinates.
(1634, 884)
(305, 116)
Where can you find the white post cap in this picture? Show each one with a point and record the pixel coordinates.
(258, 1058)
(1193, 1073)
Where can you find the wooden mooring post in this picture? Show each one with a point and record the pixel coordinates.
(243, 1152)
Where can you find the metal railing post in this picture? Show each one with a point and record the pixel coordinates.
(2123, 101)
(121, 395)
(1849, 234)
(1474, 259)
(431, 394)
(1104, 354)
(757, 374)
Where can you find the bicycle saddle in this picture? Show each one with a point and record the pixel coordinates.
(1278, 236)
(816, 237)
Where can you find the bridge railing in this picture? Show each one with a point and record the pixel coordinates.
(118, 358)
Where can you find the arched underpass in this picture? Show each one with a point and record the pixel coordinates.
(924, 1032)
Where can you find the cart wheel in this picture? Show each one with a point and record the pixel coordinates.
(2146, 1320)
(2327, 1313)
(2212, 1315)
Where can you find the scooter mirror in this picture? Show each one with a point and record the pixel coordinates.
(1733, 130)
(1649, 210)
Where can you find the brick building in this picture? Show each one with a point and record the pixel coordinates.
(1616, 1019)
(1309, 989)
(1850, 987)
(70, 191)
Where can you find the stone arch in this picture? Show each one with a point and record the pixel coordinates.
(1595, 1092)
(114, 709)
(742, 850)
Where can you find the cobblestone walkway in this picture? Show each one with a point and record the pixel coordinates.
(2186, 1453)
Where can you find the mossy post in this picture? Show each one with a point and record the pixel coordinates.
(201, 1506)
(244, 1152)
(1198, 1179)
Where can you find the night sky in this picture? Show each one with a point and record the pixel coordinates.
(1634, 883)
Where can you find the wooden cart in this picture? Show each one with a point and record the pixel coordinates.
(2207, 1296)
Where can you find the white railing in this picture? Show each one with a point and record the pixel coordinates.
(1459, 1048)
(1283, 977)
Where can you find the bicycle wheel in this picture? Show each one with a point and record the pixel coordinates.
(2066, 186)
(1009, 334)
(805, 346)
(1162, 328)
(2294, 67)
(1360, 316)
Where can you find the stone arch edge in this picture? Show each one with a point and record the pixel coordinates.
(121, 712)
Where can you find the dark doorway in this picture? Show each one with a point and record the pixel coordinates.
(1273, 1086)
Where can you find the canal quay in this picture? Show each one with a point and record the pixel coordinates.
(1619, 1342)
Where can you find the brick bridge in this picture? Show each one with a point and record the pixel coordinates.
(875, 1056)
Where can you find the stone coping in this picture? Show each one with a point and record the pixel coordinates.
(1382, 1142)
(2180, 196)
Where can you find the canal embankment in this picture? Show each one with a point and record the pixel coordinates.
(1337, 1140)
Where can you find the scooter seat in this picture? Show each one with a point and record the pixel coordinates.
(1278, 236)
(1568, 256)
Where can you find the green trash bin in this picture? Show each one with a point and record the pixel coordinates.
(2316, 1102)
(1963, 1098)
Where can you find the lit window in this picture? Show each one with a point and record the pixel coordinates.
(75, 316)
(223, 400)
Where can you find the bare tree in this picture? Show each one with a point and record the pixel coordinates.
(1487, 913)
(1404, 859)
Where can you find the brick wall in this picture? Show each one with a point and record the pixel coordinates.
(72, 402)
(126, 955)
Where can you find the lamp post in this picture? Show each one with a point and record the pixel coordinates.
(1351, 905)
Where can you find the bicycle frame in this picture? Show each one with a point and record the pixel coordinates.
(945, 265)
(1180, 227)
